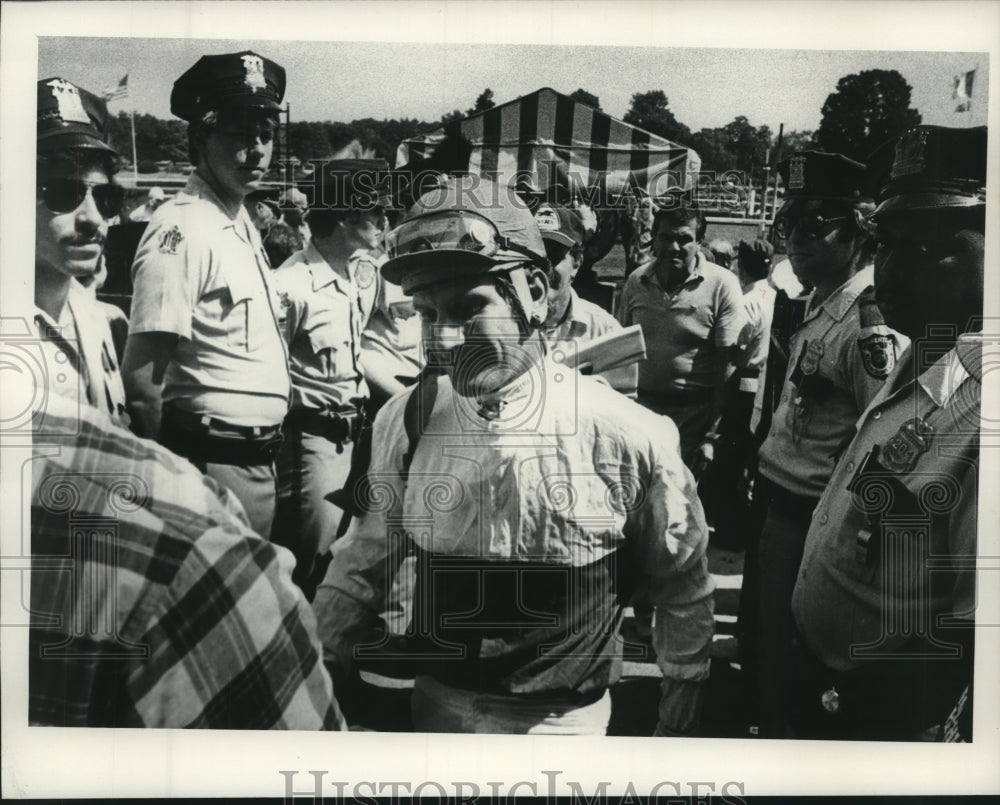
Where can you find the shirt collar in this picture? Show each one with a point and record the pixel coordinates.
(647, 273)
(947, 374)
(197, 187)
(574, 325)
(839, 302)
(322, 272)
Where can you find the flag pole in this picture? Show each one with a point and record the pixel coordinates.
(135, 158)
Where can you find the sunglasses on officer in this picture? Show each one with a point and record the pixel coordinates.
(62, 195)
(452, 230)
(814, 222)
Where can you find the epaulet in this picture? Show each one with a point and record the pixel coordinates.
(869, 314)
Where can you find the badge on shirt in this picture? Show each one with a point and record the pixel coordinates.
(811, 357)
(170, 240)
(878, 355)
(364, 274)
(902, 451)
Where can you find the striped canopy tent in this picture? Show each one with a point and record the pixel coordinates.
(550, 140)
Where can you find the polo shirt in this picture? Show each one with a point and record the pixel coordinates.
(684, 330)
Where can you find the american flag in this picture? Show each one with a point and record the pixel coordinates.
(963, 91)
(115, 93)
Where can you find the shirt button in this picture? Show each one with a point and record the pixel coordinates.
(784, 398)
(877, 415)
(774, 432)
(823, 520)
(850, 466)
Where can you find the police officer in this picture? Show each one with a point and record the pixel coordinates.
(205, 367)
(571, 318)
(840, 356)
(886, 639)
(328, 292)
(534, 498)
(75, 198)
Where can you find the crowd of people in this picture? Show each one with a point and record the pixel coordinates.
(282, 446)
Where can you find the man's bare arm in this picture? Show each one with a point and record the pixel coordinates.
(146, 358)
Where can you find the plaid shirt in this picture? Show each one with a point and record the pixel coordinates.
(152, 602)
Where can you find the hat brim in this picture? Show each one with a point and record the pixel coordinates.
(927, 201)
(64, 140)
(415, 271)
(794, 196)
(559, 237)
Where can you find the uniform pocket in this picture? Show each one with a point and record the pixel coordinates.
(237, 319)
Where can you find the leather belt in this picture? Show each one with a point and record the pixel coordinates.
(214, 441)
(334, 427)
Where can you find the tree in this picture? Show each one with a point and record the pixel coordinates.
(483, 102)
(793, 141)
(749, 145)
(584, 97)
(867, 109)
(651, 111)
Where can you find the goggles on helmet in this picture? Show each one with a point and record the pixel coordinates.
(452, 230)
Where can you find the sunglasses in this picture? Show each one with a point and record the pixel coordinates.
(66, 195)
(811, 224)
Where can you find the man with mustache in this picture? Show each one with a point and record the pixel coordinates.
(535, 499)
(839, 357)
(884, 605)
(205, 367)
(328, 293)
(75, 198)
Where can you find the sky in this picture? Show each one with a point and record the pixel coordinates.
(343, 81)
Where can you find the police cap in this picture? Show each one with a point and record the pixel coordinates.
(244, 80)
(930, 167)
(71, 117)
(818, 175)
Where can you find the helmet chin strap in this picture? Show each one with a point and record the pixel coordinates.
(532, 311)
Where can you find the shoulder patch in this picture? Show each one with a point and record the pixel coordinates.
(878, 354)
(170, 240)
(364, 274)
(868, 311)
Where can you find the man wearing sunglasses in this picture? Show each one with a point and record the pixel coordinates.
(886, 596)
(536, 501)
(839, 358)
(76, 198)
(206, 368)
(329, 291)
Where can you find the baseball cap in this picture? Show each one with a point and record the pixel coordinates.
(229, 80)
(824, 176)
(560, 224)
(71, 117)
(466, 225)
(755, 256)
(930, 167)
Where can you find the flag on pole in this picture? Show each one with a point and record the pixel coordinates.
(115, 93)
(963, 91)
